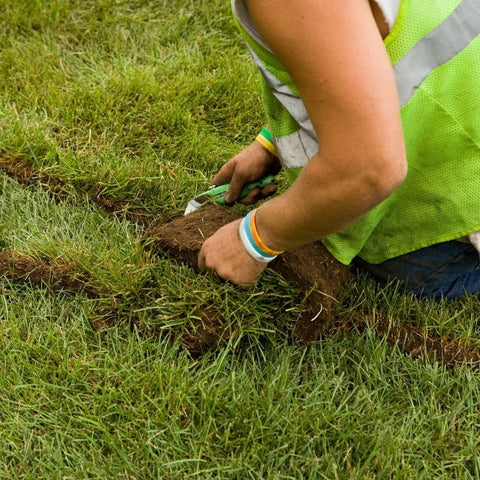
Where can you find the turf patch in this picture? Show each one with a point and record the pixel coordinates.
(311, 270)
(25, 172)
(23, 268)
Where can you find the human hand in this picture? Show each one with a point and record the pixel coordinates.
(224, 254)
(250, 165)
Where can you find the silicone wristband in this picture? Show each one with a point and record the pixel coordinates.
(249, 247)
(251, 239)
(265, 139)
(256, 237)
(266, 133)
(266, 144)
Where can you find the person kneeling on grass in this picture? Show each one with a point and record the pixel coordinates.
(372, 109)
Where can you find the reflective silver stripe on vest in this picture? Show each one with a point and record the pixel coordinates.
(295, 150)
(436, 48)
(293, 104)
(240, 10)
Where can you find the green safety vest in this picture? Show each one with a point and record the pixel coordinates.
(434, 48)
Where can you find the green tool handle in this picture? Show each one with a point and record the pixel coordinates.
(217, 193)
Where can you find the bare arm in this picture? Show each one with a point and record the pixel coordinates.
(336, 57)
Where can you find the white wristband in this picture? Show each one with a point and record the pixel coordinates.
(249, 247)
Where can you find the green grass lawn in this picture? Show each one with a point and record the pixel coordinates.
(141, 102)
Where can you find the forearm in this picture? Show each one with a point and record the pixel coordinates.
(323, 200)
(345, 79)
(346, 82)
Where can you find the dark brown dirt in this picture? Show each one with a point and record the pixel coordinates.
(120, 209)
(310, 269)
(413, 340)
(210, 331)
(410, 339)
(21, 268)
(26, 173)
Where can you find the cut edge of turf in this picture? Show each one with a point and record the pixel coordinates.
(212, 331)
(409, 338)
(58, 276)
(21, 169)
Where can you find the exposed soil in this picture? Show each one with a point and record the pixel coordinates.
(120, 209)
(210, 331)
(310, 269)
(22, 268)
(26, 173)
(410, 339)
(414, 341)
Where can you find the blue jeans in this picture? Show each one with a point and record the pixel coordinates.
(447, 270)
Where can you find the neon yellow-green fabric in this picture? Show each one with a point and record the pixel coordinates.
(440, 199)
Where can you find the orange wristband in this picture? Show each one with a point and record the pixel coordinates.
(258, 240)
